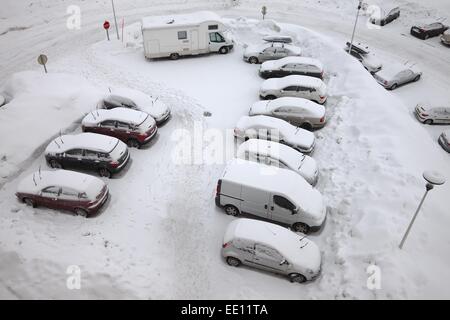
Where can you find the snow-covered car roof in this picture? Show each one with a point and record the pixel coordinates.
(430, 26)
(270, 148)
(143, 101)
(275, 179)
(293, 80)
(87, 140)
(278, 38)
(291, 245)
(260, 47)
(117, 114)
(293, 59)
(195, 18)
(311, 107)
(80, 182)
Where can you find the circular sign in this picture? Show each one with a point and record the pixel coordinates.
(106, 24)
(434, 177)
(42, 59)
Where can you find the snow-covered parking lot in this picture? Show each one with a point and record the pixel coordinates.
(160, 234)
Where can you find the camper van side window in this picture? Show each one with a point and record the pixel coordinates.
(182, 35)
(213, 27)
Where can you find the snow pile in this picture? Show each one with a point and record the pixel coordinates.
(41, 106)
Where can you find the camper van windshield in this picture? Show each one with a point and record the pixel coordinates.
(216, 37)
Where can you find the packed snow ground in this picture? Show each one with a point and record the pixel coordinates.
(160, 234)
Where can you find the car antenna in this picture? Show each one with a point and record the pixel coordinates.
(93, 115)
(58, 144)
(109, 88)
(34, 180)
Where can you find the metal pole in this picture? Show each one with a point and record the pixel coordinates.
(107, 34)
(45, 68)
(354, 28)
(429, 187)
(115, 19)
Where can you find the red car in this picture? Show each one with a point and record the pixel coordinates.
(133, 127)
(63, 190)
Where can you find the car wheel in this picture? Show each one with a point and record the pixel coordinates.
(234, 262)
(394, 86)
(297, 277)
(231, 210)
(81, 212)
(417, 78)
(174, 56)
(253, 60)
(300, 227)
(428, 121)
(270, 97)
(29, 202)
(55, 164)
(103, 172)
(223, 50)
(133, 143)
(306, 126)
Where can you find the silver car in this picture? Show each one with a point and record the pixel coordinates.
(444, 140)
(445, 38)
(393, 77)
(273, 51)
(432, 115)
(297, 111)
(272, 248)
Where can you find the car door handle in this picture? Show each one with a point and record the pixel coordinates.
(271, 208)
(265, 206)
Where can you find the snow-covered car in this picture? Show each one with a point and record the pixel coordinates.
(278, 38)
(135, 128)
(137, 100)
(394, 76)
(63, 190)
(444, 140)
(88, 151)
(428, 31)
(363, 54)
(273, 129)
(292, 66)
(297, 111)
(274, 51)
(294, 86)
(445, 38)
(269, 193)
(385, 16)
(269, 247)
(432, 115)
(279, 155)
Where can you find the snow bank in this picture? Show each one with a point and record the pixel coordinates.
(41, 106)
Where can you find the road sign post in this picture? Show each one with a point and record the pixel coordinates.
(42, 60)
(106, 27)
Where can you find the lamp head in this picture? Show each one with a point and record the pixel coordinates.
(434, 177)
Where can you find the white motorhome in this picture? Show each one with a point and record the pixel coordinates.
(184, 34)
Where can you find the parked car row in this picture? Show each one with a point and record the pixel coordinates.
(102, 148)
(273, 177)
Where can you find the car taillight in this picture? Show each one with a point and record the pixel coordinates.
(322, 97)
(114, 164)
(143, 135)
(385, 82)
(322, 119)
(219, 185)
(425, 114)
(83, 128)
(225, 245)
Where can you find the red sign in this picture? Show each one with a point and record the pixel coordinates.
(106, 25)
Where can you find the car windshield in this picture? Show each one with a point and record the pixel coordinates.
(146, 124)
(117, 151)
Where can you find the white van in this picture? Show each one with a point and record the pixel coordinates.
(279, 155)
(185, 34)
(270, 193)
(271, 248)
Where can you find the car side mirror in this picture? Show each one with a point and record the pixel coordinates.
(295, 210)
(284, 262)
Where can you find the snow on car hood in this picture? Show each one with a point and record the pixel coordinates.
(269, 65)
(252, 50)
(371, 61)
(301, 137)
(270, 84)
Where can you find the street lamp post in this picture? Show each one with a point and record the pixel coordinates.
(432, 178)
(354, 27)
(115, 19)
